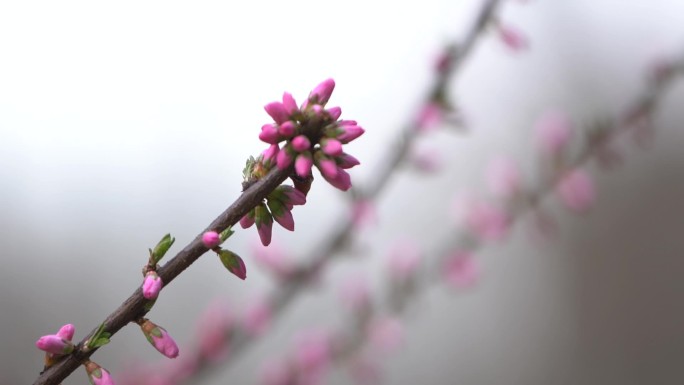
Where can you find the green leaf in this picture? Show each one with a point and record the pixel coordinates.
(225, 234)
(162, 247)
(99, 342)
(97, 336)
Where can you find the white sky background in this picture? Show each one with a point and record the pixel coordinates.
(122, 121)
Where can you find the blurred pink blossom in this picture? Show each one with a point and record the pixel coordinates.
(257, 316)
(430, 116)
(404, 260)
(426, 160)
(213, 327)
(275, 372)
(503, 177)
(274, 259)
(386, 333)
(461, 270)
(487, 222)
(313, 351)
(576, 190)
(363, 213)
(355, 293)
(513, 38)
(553, 130)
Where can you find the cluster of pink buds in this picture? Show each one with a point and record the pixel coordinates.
(59, 344)
(306, 136)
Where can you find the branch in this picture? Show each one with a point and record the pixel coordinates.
(134, 307)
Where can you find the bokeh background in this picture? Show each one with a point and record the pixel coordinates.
(120, 122)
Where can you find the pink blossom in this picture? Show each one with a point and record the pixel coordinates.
(386, 334)
(553, 131)
(303, 164)
(576, 190)
(213, 328)
(274, 259)
(513, 38)
(97, 374)
(277, 111)
(54, 344)
(211, 239)
(404, 260)
(257, 317)
(152, 285)
(488, 222)
(461, 269)
(285, 219)
(160, 339)
(301, 143)
(294, 196)
(503, 177)
(321, 94)
(430, 116)
(66, 332)
(331, 147)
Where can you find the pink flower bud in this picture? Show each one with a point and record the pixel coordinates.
(346, 161)
(321, 94)
(386, 334)
(461, 270)
(577, 191)
(430, 116)
(503, 177)
(331, 147)
(152, 285)
(54, 344)
(284, 218)
(349, 133)
(553, 132)
(341, 181)
(283, 159)
(294, 196)
(248, 220)
(287, 129)
(66, 332)
(98, 375)
(269, 134)
(289, 103)
(303, 164)
(211, 239)
(271, 152)
(334, 112)
(328, 168)
(301, 143)
(513, 38)
(265, 230)
(160, 339)
(277, 111)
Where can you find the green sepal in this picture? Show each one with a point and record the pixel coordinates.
(162, 247)
(277, 207)
(262, 215)
(229, 259)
